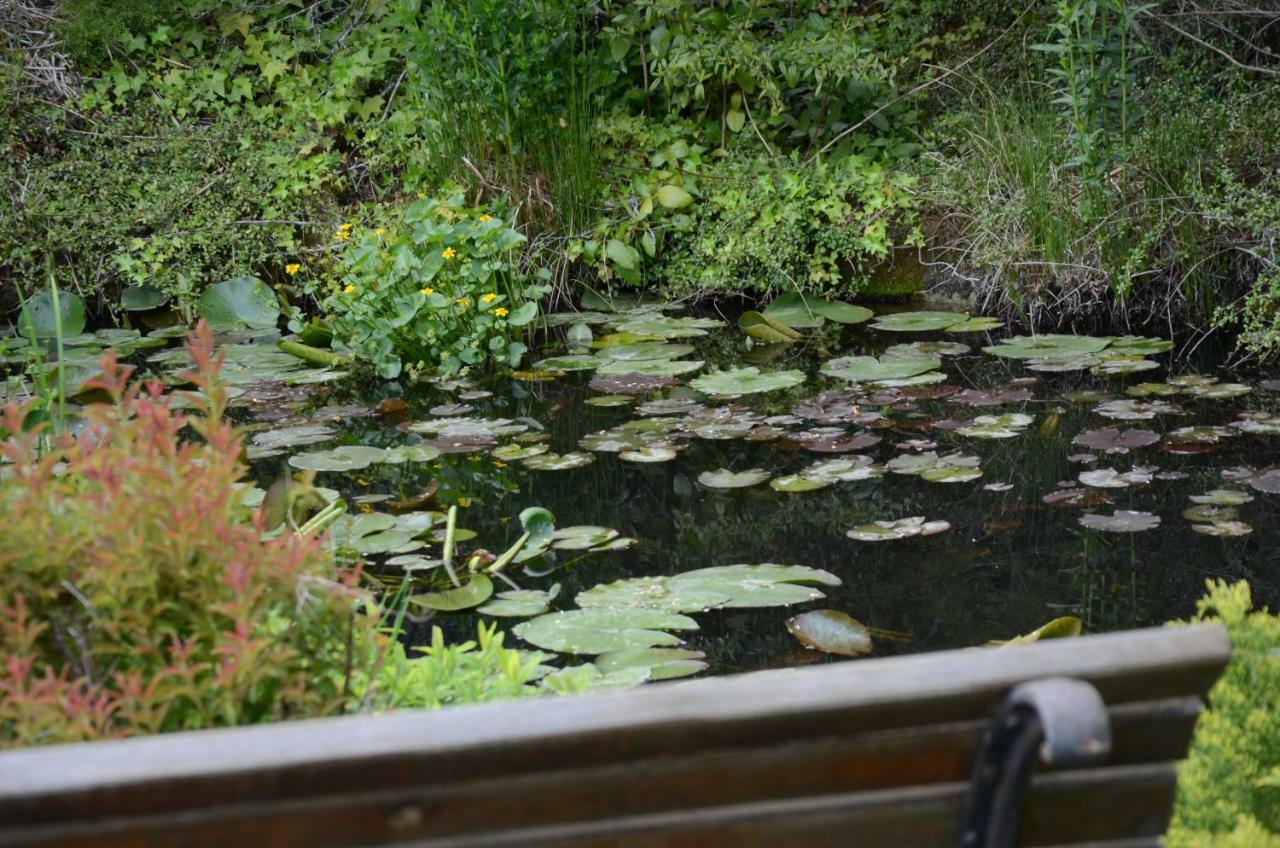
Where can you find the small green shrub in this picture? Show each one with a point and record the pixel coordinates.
(1229, 787)
(140, 597)
(437, 288)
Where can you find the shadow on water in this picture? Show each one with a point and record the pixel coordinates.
(1009, 563)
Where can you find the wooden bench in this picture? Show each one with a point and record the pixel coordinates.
(868, 753)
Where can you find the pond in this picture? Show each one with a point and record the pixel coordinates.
(1081, 477)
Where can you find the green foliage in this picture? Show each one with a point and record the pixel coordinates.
(745, 222)
(459, 673)
(1229, 788)
(509, 93)
(434, 289)
(139, 597)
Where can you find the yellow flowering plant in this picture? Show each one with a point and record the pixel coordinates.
(435, 288)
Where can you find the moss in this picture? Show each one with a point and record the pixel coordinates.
(1229, 787)
(900, 276)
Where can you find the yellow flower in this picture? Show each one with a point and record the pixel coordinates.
(464, 302)
(379, 231)
(292, 268)
(428, 291)
(497, 463)
(349, 289)
(489, 298)
(464, 502)
(448, 253)
(501, 312)
(342, 235)
(486, 218)
(365, 507)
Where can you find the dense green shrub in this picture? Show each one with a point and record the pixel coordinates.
(139, 595)
(1229, 787)
(436, 288)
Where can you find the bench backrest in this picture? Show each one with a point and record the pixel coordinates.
(866, 753)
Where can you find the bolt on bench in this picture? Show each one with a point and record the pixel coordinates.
(1070, 742)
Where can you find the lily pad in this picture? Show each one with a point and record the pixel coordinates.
(951, 468)
(1223, 528)
(1047, 345)
(649, 453)
(766, 329)
(239, 303)
(1121, 521)
(1113, 440)
(667, 326)
(832, 632)
(797, 483)
(639, 351)
(796, 310)
(557, 462)
(288, 437)
(1136, 410)
(1066, 627)
(745, 381)
(650, 367)
(723, 478)
(1109, 478)
(520, 603)
(861, 369)
(903, 528)
(992, 397)
(571, 362)
(997, 426)
(662, 663)
(917, 322)
(603, 629)
(470, 594)
(41, 319)
(1223, 497)
(142, 298)
(356, 457)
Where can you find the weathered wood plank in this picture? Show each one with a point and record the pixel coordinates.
(190, 771)
(1064, 809)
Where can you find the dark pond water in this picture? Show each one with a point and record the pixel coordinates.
(1009, 563)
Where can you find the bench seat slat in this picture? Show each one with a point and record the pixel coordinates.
(1145, 733)
(308, 759)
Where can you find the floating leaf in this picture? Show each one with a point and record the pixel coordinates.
(520, 603)
(916, 322)
(472, 593)
(745, 381)
(1109, 478)
(604, 629)
(723, 478)
(1223, 528)
(766, 329)
(992, 397)
(287, 437)
(797, 483)
(662, 663)
(903, 528)
(1223, 497)
(1047, 345)
(1068, 626)
(608, 401)
(239, 303)
(1136, 410)
(650, 367)
(572, 362)
(557, 462)
(648, 453)
(142, 298)
(952, 468)
(861, 369)
(1113, 440)
(997, 426)
(42, 320)
(633, 351)
(1121, 521)
(831, 631)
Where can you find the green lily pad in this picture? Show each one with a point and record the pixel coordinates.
(520, 603)
(41, 319)
(662, 663)
(648, 453)
(832, 632)
(918, 322)
(1223, 528)
(142, 298)
(470, 594)
(237, 304)
(667, 326)
(1113, 366)
(766, 329)
(951, 468)
(903, 528)
(289, 437)
(633, 351)
(1223, 497)
(861, 369)
(978, 324)
(650, 367)
(1047, 345)
(1066, 627)
(745, 381)
(343, 458)
(557, 462)
(797, 483)
(723, 478)
(1138, 346)
(609, 401)
(765, 585)
(571, 362)
(997, 426)
(1121, 521)
(604, 629)
(794, 310)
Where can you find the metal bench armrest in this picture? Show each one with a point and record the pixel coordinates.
(1061, 721)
